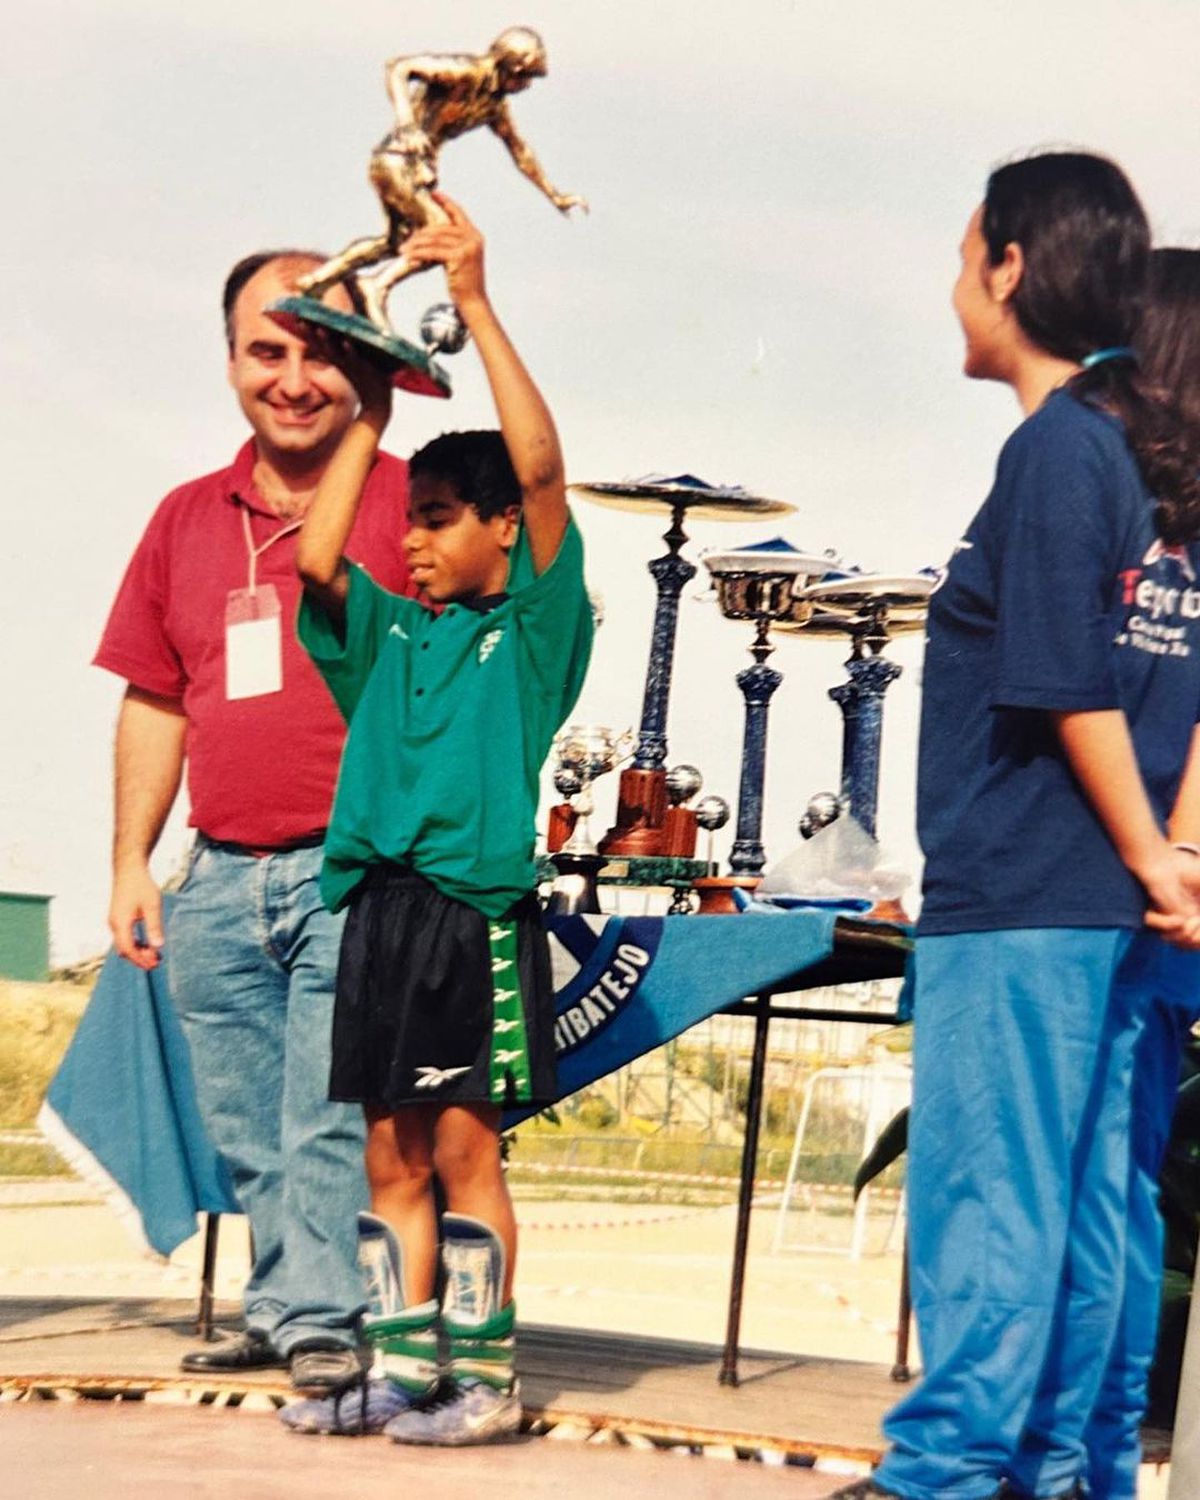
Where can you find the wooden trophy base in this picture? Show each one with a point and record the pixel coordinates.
(716, 892)
(641, 808)
(563, 818)
(679, 833)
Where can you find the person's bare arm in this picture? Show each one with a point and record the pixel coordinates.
(525, 421)
(1184, 823)
(1100, 752)
(320, 547)
(149, 764)
(527, 163)
(1183, 827)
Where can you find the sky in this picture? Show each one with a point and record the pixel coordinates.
(760, 296)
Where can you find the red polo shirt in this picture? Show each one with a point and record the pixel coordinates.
(261, 771)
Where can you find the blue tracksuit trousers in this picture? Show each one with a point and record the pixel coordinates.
(1018, 1189)
(1113, 1448)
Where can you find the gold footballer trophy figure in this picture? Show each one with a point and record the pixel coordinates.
(435, 97)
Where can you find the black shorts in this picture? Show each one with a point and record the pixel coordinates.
(438, 1004)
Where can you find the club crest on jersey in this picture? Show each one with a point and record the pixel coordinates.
(488, 644)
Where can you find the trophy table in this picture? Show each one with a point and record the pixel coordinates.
(762, 584)
(642, 798)
(870, 609)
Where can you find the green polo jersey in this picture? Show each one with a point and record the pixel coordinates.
(451, 717)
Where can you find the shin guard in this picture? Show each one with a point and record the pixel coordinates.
(404, 1338)
(479, 1329)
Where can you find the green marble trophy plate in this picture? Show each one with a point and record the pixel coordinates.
(412, 369)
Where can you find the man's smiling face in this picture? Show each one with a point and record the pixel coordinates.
(297, 402)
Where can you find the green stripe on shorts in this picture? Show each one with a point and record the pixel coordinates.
(510, 1047)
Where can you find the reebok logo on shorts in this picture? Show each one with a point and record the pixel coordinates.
(433, 1078)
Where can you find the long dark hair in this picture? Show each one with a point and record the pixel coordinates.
(1169, 338)
(1086, 246)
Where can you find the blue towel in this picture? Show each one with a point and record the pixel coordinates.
(122, 1110)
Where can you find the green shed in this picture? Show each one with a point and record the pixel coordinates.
(24, 935)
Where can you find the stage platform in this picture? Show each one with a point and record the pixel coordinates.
(600, 1389)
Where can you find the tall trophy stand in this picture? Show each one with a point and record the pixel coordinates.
(764, 585)
(642, 798)
(870, 610)
(757, 685)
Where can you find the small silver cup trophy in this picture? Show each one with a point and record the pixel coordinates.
(584, 752)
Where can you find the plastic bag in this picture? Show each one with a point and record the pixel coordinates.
(841, 860)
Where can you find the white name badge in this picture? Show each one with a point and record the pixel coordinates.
(253, 643)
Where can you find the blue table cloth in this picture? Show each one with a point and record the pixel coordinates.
(122, 1107)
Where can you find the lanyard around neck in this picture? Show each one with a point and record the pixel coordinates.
(253, 553)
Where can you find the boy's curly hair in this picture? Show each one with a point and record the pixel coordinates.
(477, 467)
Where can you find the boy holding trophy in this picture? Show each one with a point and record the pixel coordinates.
(444, 1012)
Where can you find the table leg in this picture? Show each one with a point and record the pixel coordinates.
(901, 1371)
(741, 1234)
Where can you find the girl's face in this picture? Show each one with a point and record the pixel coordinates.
(981, 306)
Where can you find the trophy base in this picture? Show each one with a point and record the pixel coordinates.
(563, 818)
(716, 892)
(641, 808)
(575, 891)
(679, 833)
(412, 369)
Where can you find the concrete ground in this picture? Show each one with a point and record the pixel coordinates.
(655, 1270)
(106, 1452)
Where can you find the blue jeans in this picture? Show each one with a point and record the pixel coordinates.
(1113, 1446)
(1018, 1187)
(252, 960)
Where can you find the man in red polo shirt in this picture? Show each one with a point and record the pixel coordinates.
(202, 632)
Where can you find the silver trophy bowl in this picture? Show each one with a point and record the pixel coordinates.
(588, 750)
(764, 583)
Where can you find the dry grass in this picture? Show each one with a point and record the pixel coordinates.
(37, 1022)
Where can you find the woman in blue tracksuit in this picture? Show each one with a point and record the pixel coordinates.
(1168, 345)
(1061, 693)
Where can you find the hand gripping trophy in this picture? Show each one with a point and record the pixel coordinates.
(435, 98)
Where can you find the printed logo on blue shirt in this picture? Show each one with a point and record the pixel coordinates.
(488, 644)
(1155, 606)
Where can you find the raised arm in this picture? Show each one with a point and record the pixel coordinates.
(149, 757)
(525, 421)
(527, 163)
(321, 545)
